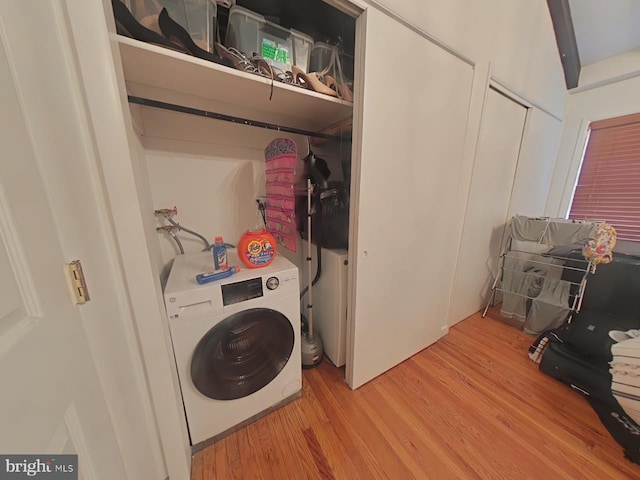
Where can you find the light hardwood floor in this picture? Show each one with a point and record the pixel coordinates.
(472, 406)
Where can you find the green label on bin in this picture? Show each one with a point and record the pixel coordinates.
(282, 55)
(269, 49)
(272, 51)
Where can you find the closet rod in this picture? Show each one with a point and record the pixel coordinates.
(147, 102)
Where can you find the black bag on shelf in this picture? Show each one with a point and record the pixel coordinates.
(331, 206)
(334, 216)
(331, 217)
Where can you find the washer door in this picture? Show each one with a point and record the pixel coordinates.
(242, 354)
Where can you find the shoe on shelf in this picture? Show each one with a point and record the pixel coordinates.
(264, 68)
(256, 65)
(239, 60)
(176, 33)
(331, 75)
(342, 89)
(313, 81)
(126, 24)
(287, 77)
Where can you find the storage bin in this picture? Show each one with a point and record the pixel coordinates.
(252, 34)
(198, 17)
(321, 59)
(302, 45)
(321, 56)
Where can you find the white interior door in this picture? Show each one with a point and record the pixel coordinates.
(411, 134)
(488, 205)
(51, 400)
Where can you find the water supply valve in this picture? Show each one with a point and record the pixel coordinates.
(166, 212)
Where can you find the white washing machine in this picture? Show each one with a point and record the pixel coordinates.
(236, 342)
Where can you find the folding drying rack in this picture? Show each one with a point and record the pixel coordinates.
(541, 274)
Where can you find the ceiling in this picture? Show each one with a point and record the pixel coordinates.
(604, 28)
(588, 31)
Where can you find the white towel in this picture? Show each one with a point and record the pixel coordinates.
(625, 375)
(627, 348)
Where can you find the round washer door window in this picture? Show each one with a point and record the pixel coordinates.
(242, 354)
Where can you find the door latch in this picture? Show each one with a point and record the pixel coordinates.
(77, 283)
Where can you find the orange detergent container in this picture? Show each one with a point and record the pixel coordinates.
(256, 248)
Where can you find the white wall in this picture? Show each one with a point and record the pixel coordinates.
(214, 196)
(212, 171)
(215, 187)
(541, 140)
(516, 36)
(620, 67)
(595, 101)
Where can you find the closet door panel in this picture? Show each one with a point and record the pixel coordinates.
(487, 208)
(404, 235)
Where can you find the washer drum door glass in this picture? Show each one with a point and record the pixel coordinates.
(242, 354)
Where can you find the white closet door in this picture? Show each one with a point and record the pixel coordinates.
(487, 209)
(411, 129)
(52, 402)
(72, 375)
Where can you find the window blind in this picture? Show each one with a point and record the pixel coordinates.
(608, 186)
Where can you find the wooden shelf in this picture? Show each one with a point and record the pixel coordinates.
(173, 77)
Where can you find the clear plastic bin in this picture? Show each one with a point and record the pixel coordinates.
(198, 17)
(251, 33)
(321, 56)
(321, 59)
(302, 45)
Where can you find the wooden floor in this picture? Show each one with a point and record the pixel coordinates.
(471, 406)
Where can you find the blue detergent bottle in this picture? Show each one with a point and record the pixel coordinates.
(219, 254)
(216, 275)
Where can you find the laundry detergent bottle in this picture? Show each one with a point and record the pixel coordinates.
(219, 254)
(256, 248)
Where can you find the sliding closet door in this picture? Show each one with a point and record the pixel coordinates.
(487, 209)
(410, 124)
